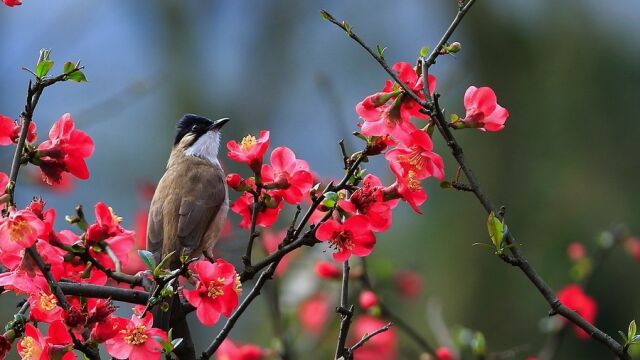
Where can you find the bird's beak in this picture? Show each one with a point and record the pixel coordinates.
(217, 125)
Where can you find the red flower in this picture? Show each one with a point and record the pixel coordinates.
(250, 150)
(267, 216)
(230, 351)
(408, 284)
(43, 304)
(576, 251)
(443, 353)
(380, 347)
(216, 292)
(352, 237)
(368, 299)
(10, 131)
(314, 312)
(575, 299)
(137, 341)
(59, 344)
(107, 229)
(369, 201)
(19, 230)
(388, 112)
(32, 344)
(12, 2)
(287, 174)
(416, 157)
(409, 189)
(327, 270)
(65, 151)
(108, 329)
(483, 111)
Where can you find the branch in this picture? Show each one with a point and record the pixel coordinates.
(437, 51)
(104, 292)
(345, 313)
(556, 306)
(366, 338)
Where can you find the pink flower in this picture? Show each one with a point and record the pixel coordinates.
(368, 299)
(250, 150)
(32, 344)
(443, 353)
(416, 156)
(228, 350)
(65, 151)
(267, 216)
(19, 230)
(389, 111)
(408, 188)
(12, 3)
(290, 176)
(216, 292)
(327, 270)
(369, 200)
(10, 131)
(314, 312)
(575, 299)
(107, 229)
(43, 304)
(380, 347)
(483, 111)
(576, 251)
(137, 341)
(408, 283)
(59, 344)
(352, 237)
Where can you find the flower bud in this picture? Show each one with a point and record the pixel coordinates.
(327, 270)
(443, 353)
(37, 206)
(368, 299)
(454, 47)
(576, 251)
(234, 180)
(74, 317)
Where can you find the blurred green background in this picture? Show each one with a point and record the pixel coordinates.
(565, 167)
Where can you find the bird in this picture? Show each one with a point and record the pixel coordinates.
(187, 212)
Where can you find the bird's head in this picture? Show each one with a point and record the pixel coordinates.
(199, 136)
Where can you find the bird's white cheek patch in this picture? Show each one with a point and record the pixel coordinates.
(206, 147)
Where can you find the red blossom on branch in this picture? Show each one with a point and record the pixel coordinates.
(353, 237)
(12, 3)
(19, 230)
(483, 111)
(573, 297)
(10, 131)
(369, 201)
(250, 151)
(229, 350)
(65, 151)
(267, 214)
(216, 292)
(137, 340)
(290, 176)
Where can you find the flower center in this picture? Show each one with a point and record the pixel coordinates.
(136, 336)
(47, 302)
(363, 198)
(237, 285)
(116, 219)
(215, 288)
(29, 348)
(343, 240)
(413, 159)
(412, 182)
(248, 142)
(19, 229)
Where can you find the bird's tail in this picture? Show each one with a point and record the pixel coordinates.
(175, 318)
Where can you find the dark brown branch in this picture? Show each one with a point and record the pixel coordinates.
(456, 150)
(462, 11)
(345, 313)
(104, 292)
(366, 338)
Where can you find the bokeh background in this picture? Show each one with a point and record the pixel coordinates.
(566, 166)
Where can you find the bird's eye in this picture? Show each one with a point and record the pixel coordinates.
(194, 128)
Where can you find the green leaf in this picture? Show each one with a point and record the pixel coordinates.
(325, 15)
(330, 199)
(478, 344)
(424, 51)
(631, 332)
(77, 76)
(495, 228)
(381, 51)
(67, 67)
(147, 259)
(43, 67)
(454, 117)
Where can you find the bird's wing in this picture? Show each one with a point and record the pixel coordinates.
(155, 231)
(198, 211)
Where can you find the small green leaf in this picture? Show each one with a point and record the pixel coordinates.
(478, 344)
(43, 67)
(162, 262)
(424, 51)
(147, 258)
(325, 15)
(77, 76)
(495, 228)
(67, 67)
(454, 117)
(330, 199)
(634, 340)
(381, 51)
(176, 342)
(631, 332)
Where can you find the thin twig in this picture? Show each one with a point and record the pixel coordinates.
(366, 338)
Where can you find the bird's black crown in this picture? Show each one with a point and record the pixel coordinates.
(191, 123)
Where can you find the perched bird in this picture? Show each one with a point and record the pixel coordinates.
(188, 210)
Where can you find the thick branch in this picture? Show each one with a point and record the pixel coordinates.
(104, 292)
